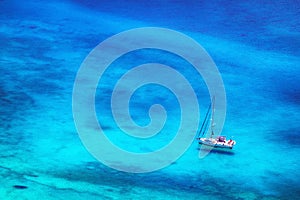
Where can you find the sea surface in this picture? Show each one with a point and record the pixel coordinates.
(254, 44)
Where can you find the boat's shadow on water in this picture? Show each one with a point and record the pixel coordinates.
(217, 151)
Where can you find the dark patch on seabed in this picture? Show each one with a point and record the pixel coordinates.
(287, 137)
(286, 86)
(282, 187)
(20, 187)
(96, 173)
(292, 95)
(42, 85)
(12, 103)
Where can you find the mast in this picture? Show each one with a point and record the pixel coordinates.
(205, 122)
(212, 117)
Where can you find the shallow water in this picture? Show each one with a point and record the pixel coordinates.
(255, 46)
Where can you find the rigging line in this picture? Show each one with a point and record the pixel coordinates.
(205, 120)
(205, 128)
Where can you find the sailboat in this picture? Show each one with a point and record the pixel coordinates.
(218, 142)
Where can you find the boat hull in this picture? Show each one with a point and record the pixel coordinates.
(215, 144)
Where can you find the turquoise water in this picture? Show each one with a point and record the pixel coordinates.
(255, 45)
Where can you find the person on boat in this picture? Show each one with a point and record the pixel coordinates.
(221, 139)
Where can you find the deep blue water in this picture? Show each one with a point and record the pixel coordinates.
(255, 45)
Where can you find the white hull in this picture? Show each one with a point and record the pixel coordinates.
(227, 144)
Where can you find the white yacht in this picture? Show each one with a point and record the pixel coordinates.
(218, 142)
